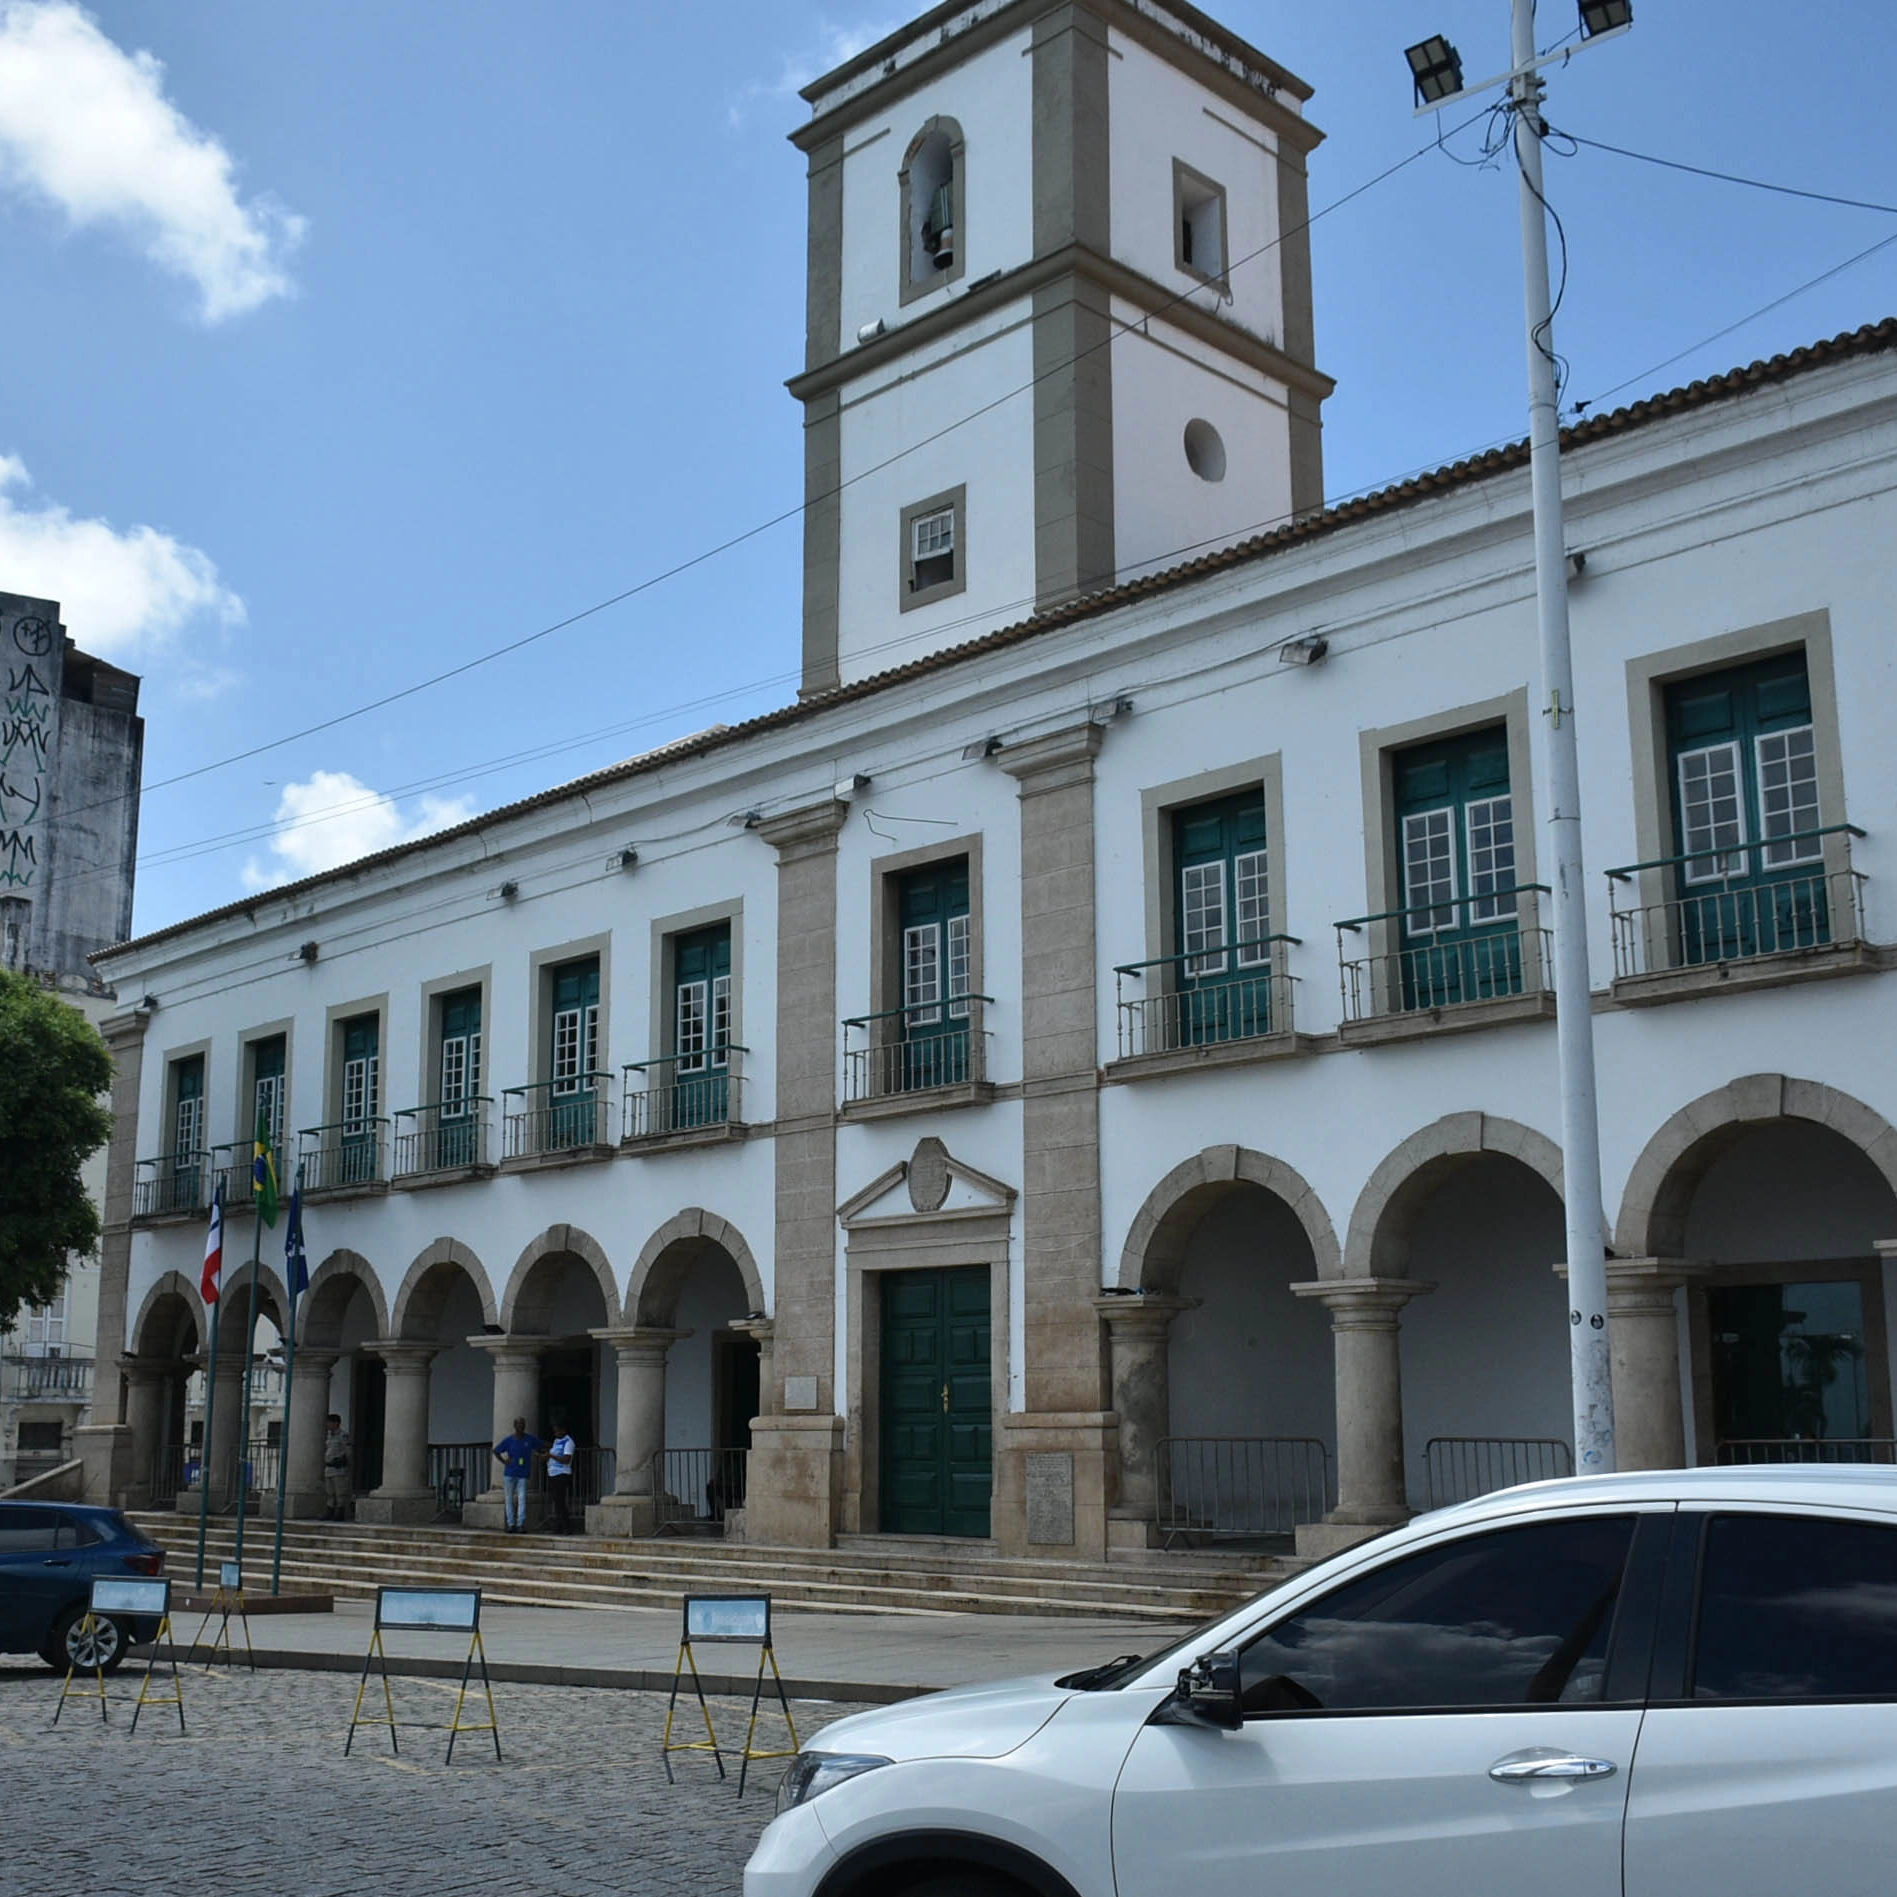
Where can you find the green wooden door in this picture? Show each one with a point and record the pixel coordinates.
(1745, 793)
(933, 912)
(187, 1134)
(361, 1099)
(573, 1114)
(701, 1030)
(457, 1132)
(937, 1411)
(1221, 918)
(268, 1062)
(1458, 935)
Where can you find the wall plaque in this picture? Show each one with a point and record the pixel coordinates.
(800, 1393)
(1051, 1500)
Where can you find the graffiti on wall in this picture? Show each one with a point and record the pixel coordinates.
(27, 736)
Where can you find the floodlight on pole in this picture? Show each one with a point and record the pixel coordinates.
(1590, 1356)
(1435, 69)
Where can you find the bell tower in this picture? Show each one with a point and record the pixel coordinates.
(1059, 328)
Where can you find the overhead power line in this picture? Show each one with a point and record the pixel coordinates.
(1729, 177)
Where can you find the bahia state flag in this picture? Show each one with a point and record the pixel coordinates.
(296, 1260)
(263, 1174)
(212, 1278)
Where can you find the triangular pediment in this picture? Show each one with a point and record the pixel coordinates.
(930, 1184)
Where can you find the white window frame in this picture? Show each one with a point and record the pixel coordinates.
(46, 1325)
(1202, 926)
(1497, 903)
(568, 1029)
(1251, 906)
(362, 1090)
(938, 543)
(961, 946)
(922, 975)
(720, 1020)
(1782, 854)
(689, 1026)
(1717, 855)
(1419, 917)
(267, 1103)
(188, 1126)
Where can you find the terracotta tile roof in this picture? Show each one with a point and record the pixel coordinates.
(1872, 339)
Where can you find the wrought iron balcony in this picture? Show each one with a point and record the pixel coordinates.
(1454, 954)
(682, 1093)
(916, 1049)
(447, 1136)
(231, 1167)
(557, 1116)
(174, 1185)
(346, 1155)
(1780, 896)
(1178, 1002)
(65, 1378)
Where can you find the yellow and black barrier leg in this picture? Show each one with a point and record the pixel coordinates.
(356, 1719)
(710, 1741)
(766, 1652)
(475, 1650)
(146, 1697)
(89, 1633)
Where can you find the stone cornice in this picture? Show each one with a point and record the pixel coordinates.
(1065, 756)
(806, 831)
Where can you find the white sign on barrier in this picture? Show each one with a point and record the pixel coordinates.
(131, 1597)
(435, 1609)
(728, 1617)
(230, 1575)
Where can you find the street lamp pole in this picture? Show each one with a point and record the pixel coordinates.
(1590, 1361)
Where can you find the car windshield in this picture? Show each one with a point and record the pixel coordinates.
(1117, 1671)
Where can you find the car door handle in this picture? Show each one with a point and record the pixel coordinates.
(59, 1564)
(1529, 1768)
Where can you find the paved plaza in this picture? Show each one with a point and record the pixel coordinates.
(258, 1798)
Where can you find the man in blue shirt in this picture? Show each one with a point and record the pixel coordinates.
(515, 1454)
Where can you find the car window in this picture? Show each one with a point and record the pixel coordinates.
(27, 1530)
(1517, 1617)
(1797, 1607)
(75, 1533)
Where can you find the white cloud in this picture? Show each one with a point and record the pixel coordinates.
(120, 594)
(835, 44)
(87, 128)
(331, 818)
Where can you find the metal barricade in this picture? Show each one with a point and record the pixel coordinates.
(694, 1489)
(1459, 1468)
(594, 1473)
(1826, 1449)
(1238, 1488)
(458, 1472)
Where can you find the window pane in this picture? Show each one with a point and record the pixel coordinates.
(1251, 874)
(691, 1026)
(958, 966)
(454, 1071)
(1712, 816)
(720, 1019)
(1429, 871)
(1520, 1617)
(566, 1049)
(1788, 795)
(1202, 892)
(1793, 1607)
(1491, 858)
(935, 534)
(922, 973)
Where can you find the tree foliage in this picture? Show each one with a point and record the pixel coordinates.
(53, 1068)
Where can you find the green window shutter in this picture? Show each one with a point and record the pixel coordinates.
(362, 1070)
(701, 998)
(575, 1026)
(460, 1050)
(937, 962)
(188, 1106)
(1222, 892)
(268, 1060)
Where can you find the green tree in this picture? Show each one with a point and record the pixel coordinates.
(53, 1067)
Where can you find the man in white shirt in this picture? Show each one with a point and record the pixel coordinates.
(560, 1453)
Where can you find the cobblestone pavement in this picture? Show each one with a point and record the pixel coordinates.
(258, 1799)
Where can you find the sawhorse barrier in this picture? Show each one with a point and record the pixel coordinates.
(726, 1619)
(426, 1610)
(124, 1600)
(229, 1596)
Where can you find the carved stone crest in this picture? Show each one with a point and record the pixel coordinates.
(929, 1176)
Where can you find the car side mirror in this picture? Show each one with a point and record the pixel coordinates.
(1208, 1694)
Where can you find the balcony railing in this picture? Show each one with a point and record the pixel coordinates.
(231, 1167)
(1177, 1002)
(915, 1049)
(1827, 1449)
(172, 1186)
(1238, 1488)
(681, 1093)
(1450, 954)
(448, 1136)
(1738, 905)
(695, 1488)
(343, 1154)
(25, 1378)
(557, 1116)
(1459, 1468)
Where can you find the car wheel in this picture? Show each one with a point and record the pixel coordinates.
(967, 1884)
(71, 1645)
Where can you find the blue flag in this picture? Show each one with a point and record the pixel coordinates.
(296, 1262)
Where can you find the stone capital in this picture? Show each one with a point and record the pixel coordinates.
(1069, 753)
(761, 1329)
(638, 1343)
(1364, 1303)
(146, 1370)
(1141, 1316)
(314, 1358)
(515, 1352)
(809, 831)
(402, 1358)
(1646, 1284)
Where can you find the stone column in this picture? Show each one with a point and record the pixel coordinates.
(303, 1433)
(631, 1508)
(1372, 1491)
(762, 1331)
(1644, 1339)
(125, 1038)
(516, 1393)
(404, 1495)
(145, 1385)
(796, 1461)
(225, 1426)
(1138, 1328)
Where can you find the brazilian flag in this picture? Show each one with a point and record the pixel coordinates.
(263, 1174)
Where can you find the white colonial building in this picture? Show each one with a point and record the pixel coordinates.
(1086, 1069)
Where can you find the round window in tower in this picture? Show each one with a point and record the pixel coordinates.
(1205, 450)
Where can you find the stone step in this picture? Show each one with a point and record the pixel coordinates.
(552, 1571)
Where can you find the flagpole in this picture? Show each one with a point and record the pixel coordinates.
(210, 1416)
(292, 1239)
(250, 1352)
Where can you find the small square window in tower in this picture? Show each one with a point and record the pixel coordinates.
(1198, 224)
(933, 558)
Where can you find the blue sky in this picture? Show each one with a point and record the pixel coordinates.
(360, 339)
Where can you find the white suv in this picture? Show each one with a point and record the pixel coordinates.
(1679, 1684)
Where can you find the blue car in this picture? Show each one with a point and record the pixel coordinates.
(50, 1554)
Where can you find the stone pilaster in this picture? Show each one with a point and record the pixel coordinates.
(1138, 1329)
(795, 1463)
(404, 1495)
(125, 1038)
(227, 1422)
(1372, 1492)
(763, 1332)
(631, 1508)
(145, 1384)
(516, 1393)
(1644, 1340)
(303, 1433)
